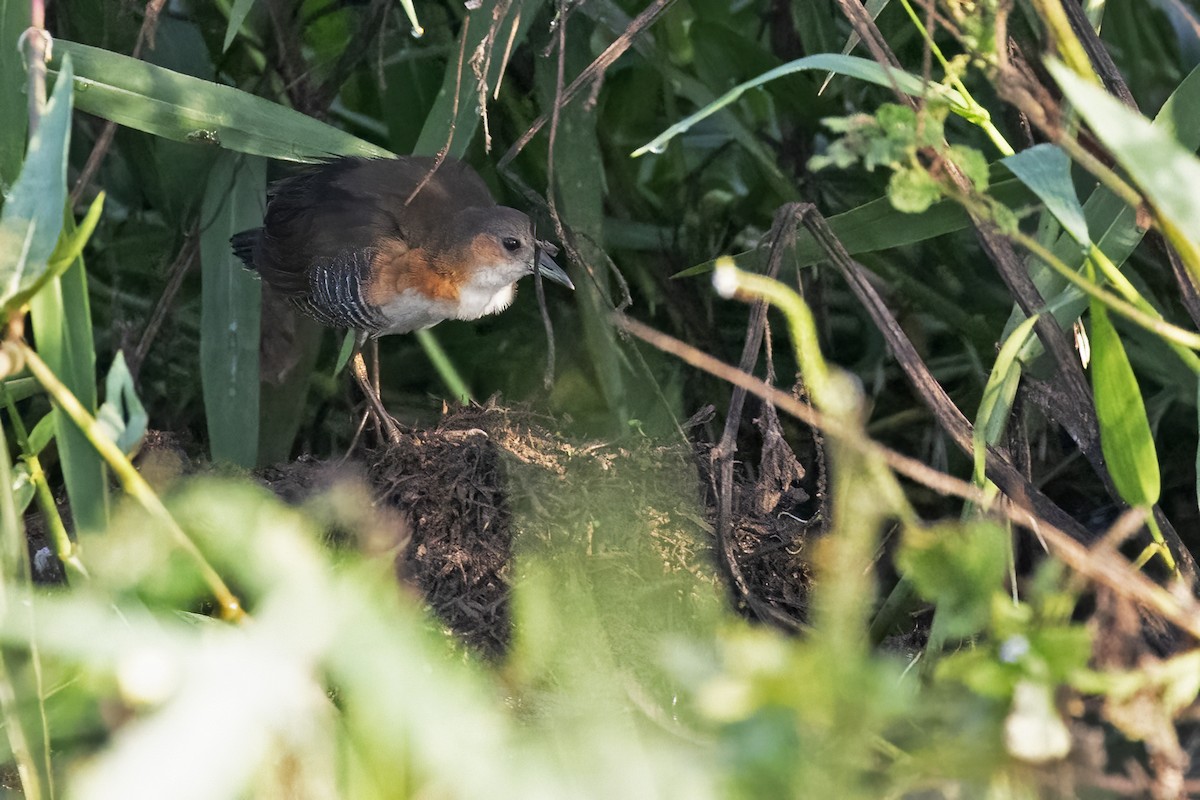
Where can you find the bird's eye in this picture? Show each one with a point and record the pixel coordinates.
(511, 244)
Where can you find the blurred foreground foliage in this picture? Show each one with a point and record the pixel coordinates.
(209, 641)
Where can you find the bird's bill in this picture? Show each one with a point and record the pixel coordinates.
(551, 270)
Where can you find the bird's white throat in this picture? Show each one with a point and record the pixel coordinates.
(479, 301)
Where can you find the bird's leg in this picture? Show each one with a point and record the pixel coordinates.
(383, 420)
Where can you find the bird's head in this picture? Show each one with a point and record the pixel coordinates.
(501, 248)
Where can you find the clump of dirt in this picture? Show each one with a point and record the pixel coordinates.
(485, 476)
(449, 485)
(633, 519)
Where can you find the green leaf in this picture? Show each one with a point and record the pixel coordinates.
(959, 567)
(1113, 224)
(913, 190)
(1125, 437)
(22, 487)
(344, 353)
(850, 66)
(237, 15)
(998, 396)
(122, 415)
(175, 106)
(877, 225)
(21, 388)
(62, 324)
(69, 247)
(42, 434)
(230, 309)
(973, 164)
(33, 214)
(1046, 170)
(579, 175)
(1166, 172)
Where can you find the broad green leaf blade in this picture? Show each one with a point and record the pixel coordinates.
(1113, 224)
(1125, 437)
(1046, 170)
(62, 325)
(237, 15)
(14, 19)
(851, 66)
(876, 226)
(33, 214)
(176, 106)
(230, 314)
(1164, 169)
(69, 248)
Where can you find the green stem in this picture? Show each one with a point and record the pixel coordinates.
(1100, 171)
(977, 113)
(66, 550)
(1159, 327)
(1069, 47)
(1130, 293)
(731, 281)
(131, 481)
(445, 367)
(11, 525)
(31, 785)
(1156, 534)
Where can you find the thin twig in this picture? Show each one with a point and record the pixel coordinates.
(440, 158)
(177, 271)
(105, 139)
(1099, 564)
(593, 71)
(782, 232)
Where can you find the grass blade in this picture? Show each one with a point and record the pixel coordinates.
(998, 397)
(237, 15)
(877, 225)
(851, 66)
(60, 313)
(159, 101)
(456, 126)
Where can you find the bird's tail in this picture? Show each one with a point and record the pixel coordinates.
(243, 246)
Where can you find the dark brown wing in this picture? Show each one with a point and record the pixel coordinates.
(336, 212)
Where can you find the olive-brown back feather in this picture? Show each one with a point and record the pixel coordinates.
(333, 212)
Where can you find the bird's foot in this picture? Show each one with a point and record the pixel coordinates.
(387, 426)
